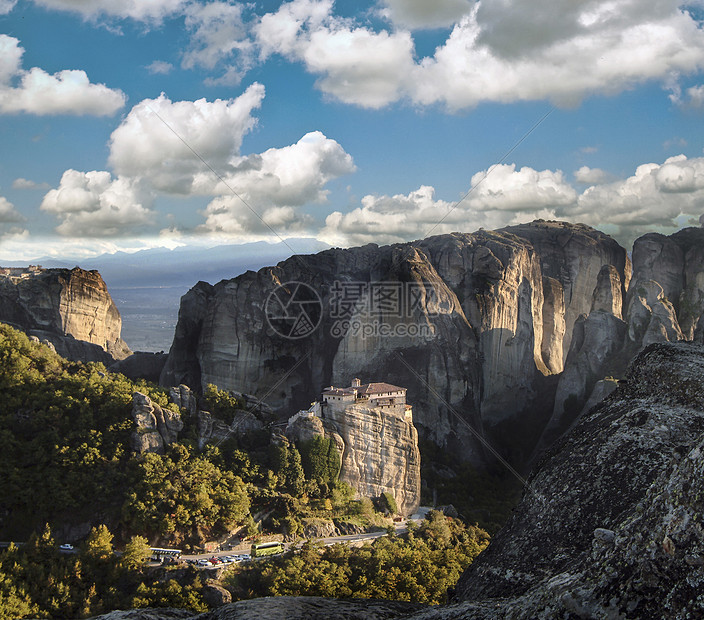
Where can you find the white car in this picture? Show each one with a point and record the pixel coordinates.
(204, 563)
(66, 547)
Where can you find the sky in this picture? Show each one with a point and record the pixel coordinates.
(132, 124)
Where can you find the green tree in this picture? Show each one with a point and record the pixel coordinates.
(321, 459)
(387, 503)
(221, 403)
(137, 552)
(98, 545)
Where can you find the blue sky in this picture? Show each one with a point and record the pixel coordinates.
(350, 122)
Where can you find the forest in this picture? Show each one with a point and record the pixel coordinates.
(70, 473)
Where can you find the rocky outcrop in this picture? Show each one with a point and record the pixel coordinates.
(379, 451)
(214, 430)
(156, 427)
(667, 295)
(380, 454)
(71, 308)
(609, 523)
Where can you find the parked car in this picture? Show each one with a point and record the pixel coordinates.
(66, 547)
(204, 563)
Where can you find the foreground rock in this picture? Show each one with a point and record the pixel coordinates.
(70, 308)
(611, 523)
(283, 608)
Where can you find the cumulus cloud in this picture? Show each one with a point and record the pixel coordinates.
(694, 97)
(8, 213)
(95, 204)
(504, 196)
(160, 67)
(159, 139)
(592, 176)
(509, 51)
(140, 10)
(504, 50)
(38, 92)
(656, 196)
(421, 14)
(276, 181)
(230, 216)
(356, 65)
(217, 32)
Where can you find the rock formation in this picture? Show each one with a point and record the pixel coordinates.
(492, 315)
(156, 427)
(609, 525)
(379, 451)
(71, 308)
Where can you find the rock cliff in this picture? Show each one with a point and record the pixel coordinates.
(379, 451)
(156, 428)
(71, 308)
(487, 325)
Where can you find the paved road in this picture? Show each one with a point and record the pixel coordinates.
(245, 548)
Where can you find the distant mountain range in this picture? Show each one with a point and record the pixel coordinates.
(147, 285)
(183, 266)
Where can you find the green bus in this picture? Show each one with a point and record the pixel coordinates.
(267, 548)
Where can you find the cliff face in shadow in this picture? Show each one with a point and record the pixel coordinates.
(70, 308)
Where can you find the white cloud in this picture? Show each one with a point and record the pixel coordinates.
(140, 10)
(421, 14)
(21, 183)
(93, 204)
(6, 6)
(160, 67)
(229, 216)
(694, 97)
(504, 188)
(503, 50)
(511, 197)
(217, 33)
(275, 182)
(8, 213)
(159, 139)
(356, 65)
(657, 197)
(280, 32)
(562, 52)
(360, 66)
(65, 92)
(592, 176)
